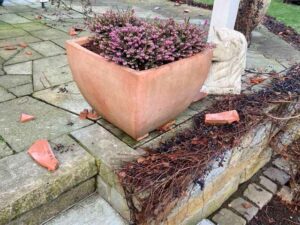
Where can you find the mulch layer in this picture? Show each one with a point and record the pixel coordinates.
(276, 213)
(287, 33)
(154, 183)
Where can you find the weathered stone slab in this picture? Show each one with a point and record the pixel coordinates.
(258, 195)
(17, 40)
(25, 185)
(9, 81)
(268, 184)
(258, 63)
(92, 211)
(22, 90)
(227, 217)
(60, 41)
(50, 122)
(31, 26)
(245, 208)
(11, 32)
(49, 34)
(66, 96)
(5, 150)
(19, 68)
(277, 175)
(5, 95)
(273, 47)
(282, 164)
(13, 18)
(51, 71)
(108, 150)
(47, 48)
(62, 202)
(24, 55)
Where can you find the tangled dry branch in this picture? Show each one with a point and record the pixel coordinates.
(154, 183)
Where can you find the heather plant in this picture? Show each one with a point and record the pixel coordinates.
(123, 38)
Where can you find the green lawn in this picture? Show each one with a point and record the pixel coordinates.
(286, 13)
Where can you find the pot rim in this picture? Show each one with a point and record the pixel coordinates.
(78, 42)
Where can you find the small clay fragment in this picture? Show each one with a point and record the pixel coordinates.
(83, 114)
(72, 32)
(28, 53)
(246, 205)
(26, 117)
(10, 47)
(257, 80)
(42, 153)
(166, 126)
(222, 118)
(23, 45)
(93, 115)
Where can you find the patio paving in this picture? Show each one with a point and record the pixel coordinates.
(37, 80)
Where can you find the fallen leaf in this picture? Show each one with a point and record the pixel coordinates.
(10, 47)
(28, 53)
(72, 32)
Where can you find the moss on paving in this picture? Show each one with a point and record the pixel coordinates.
(289, 14)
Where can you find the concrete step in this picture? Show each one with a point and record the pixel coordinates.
(29, 194)
(93, 210)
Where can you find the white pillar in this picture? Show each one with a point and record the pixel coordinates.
(223, 15)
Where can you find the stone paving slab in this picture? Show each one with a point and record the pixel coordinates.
(64, 201)
(66, 96)
(24, 55)
(24, 68)
(22, 90)
(5, 95)
(25, 185)
(268, 184)
(9, 81)
(47, 48)
(50, 122)
(244, 207)
(49, 34)
(91, 211)
(31, 26)
(17, 40)
(258, 195)
(226, 217)
(51, 71)
(5, 150)
(277, 175)
(13, 18)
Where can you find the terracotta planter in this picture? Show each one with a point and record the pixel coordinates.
(136, 101)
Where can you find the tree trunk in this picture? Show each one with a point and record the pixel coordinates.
(250, 14)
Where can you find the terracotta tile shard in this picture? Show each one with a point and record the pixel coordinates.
(93, 115)
(257, 80)
(72, 32)
(227, 117)
(166, 126)
(42, 153)
(83, 114)
(23, 45)
(10, 48)
(25, 118)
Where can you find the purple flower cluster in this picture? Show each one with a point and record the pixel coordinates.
(133, 42)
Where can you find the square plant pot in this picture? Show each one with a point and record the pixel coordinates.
(137, 101)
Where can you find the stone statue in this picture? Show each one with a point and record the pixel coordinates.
(229, 62)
